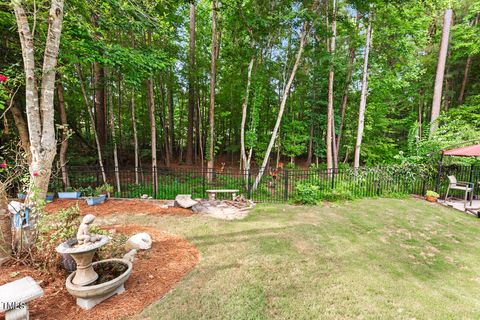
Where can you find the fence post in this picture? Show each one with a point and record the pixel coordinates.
(285, 195)
(333, 178)
(203, 182)
(155, 182)
(249, 188)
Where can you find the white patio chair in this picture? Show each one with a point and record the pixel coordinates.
(460, 185)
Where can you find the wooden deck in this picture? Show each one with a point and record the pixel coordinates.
(460, 205)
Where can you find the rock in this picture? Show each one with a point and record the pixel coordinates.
(68, 263)
(15, 207)
(139, 241)
(185, 201)
(144, 196)
(130, 255)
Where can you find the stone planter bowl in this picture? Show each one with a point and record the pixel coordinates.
(69, 195)
(99, 290)
(91, 201)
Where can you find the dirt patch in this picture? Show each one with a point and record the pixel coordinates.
(114, 206)
(155, 272)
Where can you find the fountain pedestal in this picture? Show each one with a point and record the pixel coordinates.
(85, 273)
(83, 255)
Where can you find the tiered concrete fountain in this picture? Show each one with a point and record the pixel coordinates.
(94, 282)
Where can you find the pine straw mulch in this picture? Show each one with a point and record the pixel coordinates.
(117, 206)
(155, 272)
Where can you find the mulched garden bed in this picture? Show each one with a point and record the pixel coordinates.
(116, 206)
(155, 272)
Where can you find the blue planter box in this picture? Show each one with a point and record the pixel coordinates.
(21, 196)
(69, 195)
(91, 201)
(49, 197)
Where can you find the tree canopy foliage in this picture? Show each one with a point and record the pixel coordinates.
(114, 47)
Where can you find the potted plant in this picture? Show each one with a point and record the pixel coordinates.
(95, 198)
(49, 196)
(432, 196)
(99, 195)
(69, 193)
(105, 189)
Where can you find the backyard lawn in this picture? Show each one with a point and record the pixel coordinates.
(364, 259)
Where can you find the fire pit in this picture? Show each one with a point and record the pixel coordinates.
(224, 209)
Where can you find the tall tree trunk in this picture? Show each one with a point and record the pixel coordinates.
(119, 111)
(442, 57)
(191, 86)
(163, 122)
(348, 80)
(420, 113)
(64, 142)
(330, 113)
(468, 66)
(213, 80)
(199, 133)
(100, 105)
(153, 128)
(363, 96)
(40, 114)
(334, 146)
(114, 139)
(171, 125)
(310, 146)
(21, 128)
(92, 124)
(243, 156)
(180, 141)
(135, 137)
(5, 227)
(446, 97)
(283, 102)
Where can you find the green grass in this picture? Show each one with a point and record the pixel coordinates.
(364, 259)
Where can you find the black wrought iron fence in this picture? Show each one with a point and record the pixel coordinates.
(274, 186)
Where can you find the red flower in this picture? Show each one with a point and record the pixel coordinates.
(3, 78)
(35, 174)
(3, 165)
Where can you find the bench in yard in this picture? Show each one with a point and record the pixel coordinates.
(212, 193)
(15, 296)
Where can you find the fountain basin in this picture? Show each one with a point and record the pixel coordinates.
(91, 295)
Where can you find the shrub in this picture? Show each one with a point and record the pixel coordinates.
(433, 194)
(103, 189)
(53, 229)
(306, 193)
(87, 191)
(291, 166)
